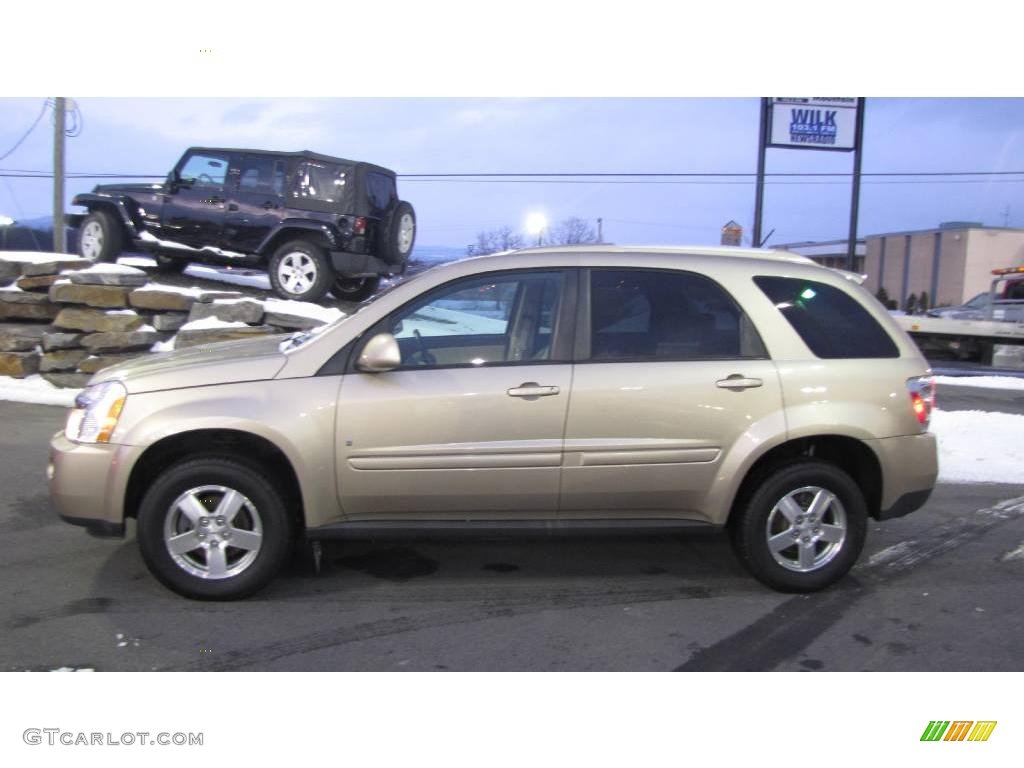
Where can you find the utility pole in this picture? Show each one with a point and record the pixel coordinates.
(762, 139)
(858, 153)
(59, 244)
(600, 236)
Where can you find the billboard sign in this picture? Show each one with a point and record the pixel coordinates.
(813, 123)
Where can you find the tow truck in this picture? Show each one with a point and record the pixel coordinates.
(1000, 322)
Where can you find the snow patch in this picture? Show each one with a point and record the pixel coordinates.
(129, 312)
(137, 261)
(163, 346)
(979, 446)
(36, 389)
(73, 669)
(40, 257)
(211, 322)
(189, 291)
(986, 382)
(1016, 554)
(235, 277)
(303, 309)
(105, 269)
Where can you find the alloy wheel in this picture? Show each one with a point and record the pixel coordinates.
(297, 272)
(806, 529)
(213, 532)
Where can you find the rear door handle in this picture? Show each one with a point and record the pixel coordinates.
(738, 381)
(532, 389)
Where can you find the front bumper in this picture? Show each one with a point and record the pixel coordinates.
(87, 484)
(910, 466)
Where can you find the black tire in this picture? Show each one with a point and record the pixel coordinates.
(169, 264)
(399, 235)
(355, 288)
(192, 573)
(311, 273)
(100, 237)
(829, 555)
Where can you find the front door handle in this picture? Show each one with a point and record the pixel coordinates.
(532, 389)
(738, 381)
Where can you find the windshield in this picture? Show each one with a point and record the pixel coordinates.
(978, 302)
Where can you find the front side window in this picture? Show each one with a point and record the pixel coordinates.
(831, 323)
(481, 321)
(202, 170)
(324, 182)
(666, 315)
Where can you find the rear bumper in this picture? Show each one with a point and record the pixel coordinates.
(87, 484)
(910, 466)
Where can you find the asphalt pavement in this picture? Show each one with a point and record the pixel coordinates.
(937, 590)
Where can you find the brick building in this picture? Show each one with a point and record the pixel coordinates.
(952, 263)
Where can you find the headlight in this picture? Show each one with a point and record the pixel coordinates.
(95, 414)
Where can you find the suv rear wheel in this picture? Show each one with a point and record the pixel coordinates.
(299, 270)
(803, 528)
(99, 237)
(213, 529)
(355, 288)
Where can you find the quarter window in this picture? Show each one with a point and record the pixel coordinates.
(666, 315)
(831, 323)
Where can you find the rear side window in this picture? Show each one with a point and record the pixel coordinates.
(319, 181)
(665, 315)
(831, 323)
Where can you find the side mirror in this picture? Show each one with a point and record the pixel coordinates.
(380, 354)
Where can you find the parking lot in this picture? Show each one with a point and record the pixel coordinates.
(937, 590)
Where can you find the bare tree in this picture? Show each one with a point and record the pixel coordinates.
(572, 231)
(495, 240)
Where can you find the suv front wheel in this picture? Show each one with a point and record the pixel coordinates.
(213, 529)
(802, 528)
(299, 270)
(99, 237)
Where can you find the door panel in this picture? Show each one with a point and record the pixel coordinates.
(193, 214)
(450, 443)
(647, 439)
(255, 201)
(470, 425)
(673, 377)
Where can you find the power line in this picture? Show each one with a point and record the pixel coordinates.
(8, 153)
(558, 176)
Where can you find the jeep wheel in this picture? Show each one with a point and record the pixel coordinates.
(399, 234)
(299, 271)
(213, 529)
(802, 528)
(99, 237)
(355, 288)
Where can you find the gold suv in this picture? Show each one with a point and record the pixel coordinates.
(552, 388)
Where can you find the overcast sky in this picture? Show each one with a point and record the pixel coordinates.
(558, 135)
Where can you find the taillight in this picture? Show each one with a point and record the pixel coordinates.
(359, 227)
(922, 398)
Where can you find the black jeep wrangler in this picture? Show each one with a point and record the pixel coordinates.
(315, 223)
